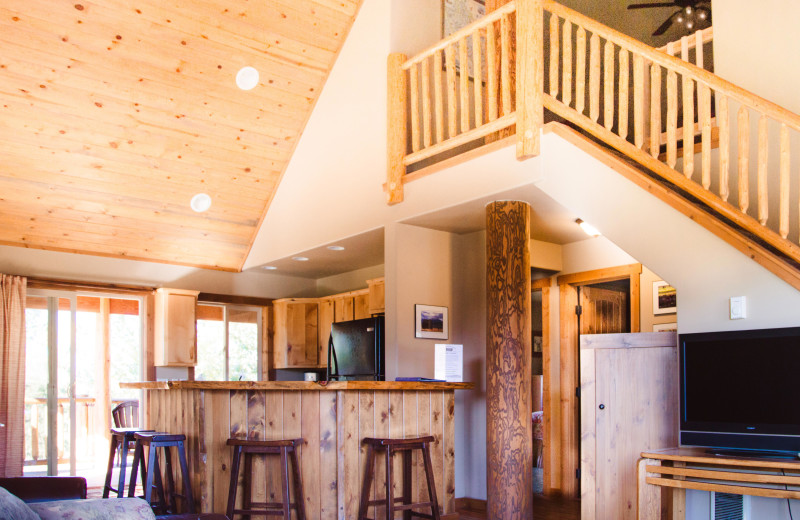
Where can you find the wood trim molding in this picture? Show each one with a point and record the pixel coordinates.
(608, 274)
(235, 300)
(541, 283)
(72, 285)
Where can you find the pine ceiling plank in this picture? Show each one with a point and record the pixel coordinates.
(93, 162)
(145, 139)
(234, 234)
(135, 59)
(82, 202)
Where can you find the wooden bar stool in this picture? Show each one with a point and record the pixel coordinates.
(392, 446)
(121, 439)
(286, 449)
(166, 497)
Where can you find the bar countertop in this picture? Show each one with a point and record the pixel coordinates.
(296, 385)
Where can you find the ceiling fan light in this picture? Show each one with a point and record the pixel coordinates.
(688, 10)
(689, 24)
(702, 15)
(679, 19)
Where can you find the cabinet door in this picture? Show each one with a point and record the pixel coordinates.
(361, 306)
(175, 329)
(343, 309)
(325, 322)
(296, 337)
(636, 389)
(377, 296)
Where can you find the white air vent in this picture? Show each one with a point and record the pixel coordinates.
(725, 506)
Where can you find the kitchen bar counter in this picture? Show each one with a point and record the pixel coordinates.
(331, 418)
(297, 385)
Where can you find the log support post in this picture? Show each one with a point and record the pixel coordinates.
(509, 446)
(397, 127)
(530, 77)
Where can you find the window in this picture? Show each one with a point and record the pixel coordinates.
(229, 339)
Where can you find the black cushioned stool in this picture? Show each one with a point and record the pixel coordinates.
(406, 447)
(121, 438)
(166, 497)
(287, 449)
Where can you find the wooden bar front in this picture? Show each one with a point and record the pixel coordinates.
(332, 419)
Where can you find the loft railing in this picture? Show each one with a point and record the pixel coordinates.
(465, 88)
(631, 96)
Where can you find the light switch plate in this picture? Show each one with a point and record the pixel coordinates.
(738, 307)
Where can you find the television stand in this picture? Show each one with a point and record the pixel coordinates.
(755, 454)
(677, 469)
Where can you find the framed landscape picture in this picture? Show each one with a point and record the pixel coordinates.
(430, 322)
(664, 298)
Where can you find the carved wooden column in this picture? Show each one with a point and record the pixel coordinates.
(509, 458)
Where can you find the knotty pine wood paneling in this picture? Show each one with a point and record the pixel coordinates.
(332, 423)
(116, 113)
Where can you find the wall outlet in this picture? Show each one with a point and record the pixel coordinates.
(738, 307)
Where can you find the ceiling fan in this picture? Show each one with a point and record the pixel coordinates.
(691, 14)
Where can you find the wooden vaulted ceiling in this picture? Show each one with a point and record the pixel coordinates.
(114, 113)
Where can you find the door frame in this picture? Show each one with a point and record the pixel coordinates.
(565, 434)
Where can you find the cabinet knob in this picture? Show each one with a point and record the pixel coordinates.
(602, 407)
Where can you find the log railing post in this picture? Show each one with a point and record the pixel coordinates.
(530, 77)
(397, 93)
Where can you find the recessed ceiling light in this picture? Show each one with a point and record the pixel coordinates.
(247, 78)
(300, 258)
(588, 228)
(336, 248)
(200, 202)
(268, 267)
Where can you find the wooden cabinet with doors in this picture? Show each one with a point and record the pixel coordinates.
(629, 404)
(296, 339)
(377, 295)
(175, 328)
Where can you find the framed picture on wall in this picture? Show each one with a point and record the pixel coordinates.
(430, 322)
(460, 13)
(665, 327)
(664, 298)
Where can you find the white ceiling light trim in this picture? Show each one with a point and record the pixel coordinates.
(201, 202)
(247, 78)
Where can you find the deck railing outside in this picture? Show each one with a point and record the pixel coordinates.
(631, 96)
(36, 426)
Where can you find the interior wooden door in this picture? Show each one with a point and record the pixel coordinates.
(603, 311)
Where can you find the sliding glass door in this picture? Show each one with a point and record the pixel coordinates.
(79, 347)
(50, 370)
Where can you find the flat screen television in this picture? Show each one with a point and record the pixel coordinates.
(740, 390)
(355, 350)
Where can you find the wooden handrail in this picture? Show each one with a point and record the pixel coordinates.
(679, 66)
(492, 17)
(706, 36)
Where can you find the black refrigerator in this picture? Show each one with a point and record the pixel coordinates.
(355, 350)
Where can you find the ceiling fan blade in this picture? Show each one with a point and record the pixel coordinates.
(664, 26)
(656, 4)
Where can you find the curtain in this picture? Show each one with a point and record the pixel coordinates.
(12, 374)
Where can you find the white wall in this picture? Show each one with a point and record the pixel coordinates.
(756, 47)
(350, 281)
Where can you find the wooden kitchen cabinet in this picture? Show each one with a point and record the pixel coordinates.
(175, 328)
(629, 404)
(326, 319)
(296, 341)
(377, 296)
